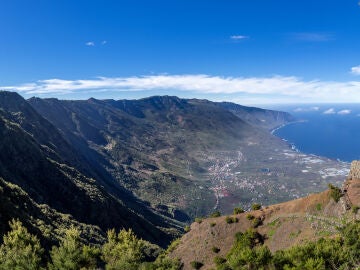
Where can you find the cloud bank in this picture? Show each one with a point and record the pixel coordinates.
(343, 112)
(355, 70)
(329, 111)
(280, 88)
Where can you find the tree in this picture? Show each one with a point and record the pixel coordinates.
(20, 249)
(123, 251)
(72, 254)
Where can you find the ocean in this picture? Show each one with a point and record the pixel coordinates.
(328, 130)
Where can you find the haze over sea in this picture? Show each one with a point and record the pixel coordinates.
(326, 130)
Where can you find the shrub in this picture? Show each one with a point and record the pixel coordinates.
(335, 192)
(256, 206)
(212, 224)
(230, 220)
(196, 264)
(219, 260)
(173, 245)
(215, 249)
(198, 220)
(319, 207)
(187, 228)
(215, 214)
(250, 217)
(238, 210)
(355, 209)
(256, 222)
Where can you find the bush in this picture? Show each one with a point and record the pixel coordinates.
(335, 192)
(238, 210)
(256, 222)
(187, 228)
(196, 264)
(215, 214)
(215, 249)
(219, 260)
(198, 220)
(256, 206)
(250, 217)
(212, 224)
(230, 220)
(355, 209)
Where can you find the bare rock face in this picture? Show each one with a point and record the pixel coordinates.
(352, 185)
(355, 170)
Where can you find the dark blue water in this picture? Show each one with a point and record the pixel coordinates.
(335, 134)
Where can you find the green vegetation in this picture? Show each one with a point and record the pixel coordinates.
(196, 264)
(187, 228)
(293, 235)
(219, 260)
(335, 192)
(230, 220)
(215, 214)
(21, 250)
(355, 209)
(72, 254)
(256, 222)
(212, 224)
(215, 249)
(238, 210)
(319, 207)
(250, 217)
(198, 220)
(256, 206)
(343, 252)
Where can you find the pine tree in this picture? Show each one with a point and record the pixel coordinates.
(20, 249)
(72, 254)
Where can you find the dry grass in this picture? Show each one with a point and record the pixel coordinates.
(284, 225)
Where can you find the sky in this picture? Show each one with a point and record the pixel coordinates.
(244, 51)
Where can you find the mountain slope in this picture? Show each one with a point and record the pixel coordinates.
(33, 155)
(281, 226)
(156, 147)
(267, 119)
(186, 157)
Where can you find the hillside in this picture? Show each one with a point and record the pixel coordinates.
(281, 225)
(267, 119)
(49, 173)
(186, 157)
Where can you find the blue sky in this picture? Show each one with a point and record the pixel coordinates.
(249, 52)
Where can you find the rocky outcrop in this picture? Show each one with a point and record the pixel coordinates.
(355, 170)
(352, 184)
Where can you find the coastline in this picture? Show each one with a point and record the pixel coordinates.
(286, 124)
(293, 146)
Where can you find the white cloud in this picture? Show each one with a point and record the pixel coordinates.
(312, 37)
(264, 89)
(238, 37)
(103, 42)
(311, 109)
(343, 112)
(355, 70)
(90, 43)
(329, 111)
